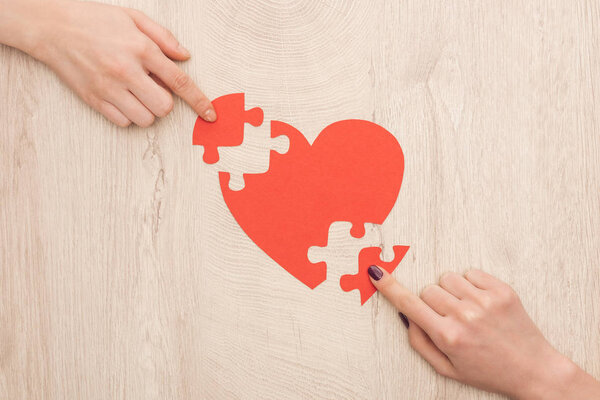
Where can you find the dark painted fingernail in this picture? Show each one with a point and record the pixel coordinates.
(375, 272)
(404, 320)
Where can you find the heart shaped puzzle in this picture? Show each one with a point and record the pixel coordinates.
(352, 172)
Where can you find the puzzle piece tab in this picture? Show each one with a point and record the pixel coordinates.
(228, 129)
(367, 257)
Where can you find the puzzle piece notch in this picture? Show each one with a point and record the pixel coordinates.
(253, 156)
(228, 129)
(367, 257)
(341, 241)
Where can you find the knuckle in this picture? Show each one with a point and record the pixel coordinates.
(485, 301)
(445, 277)
(133, 12)
(146, 121)
(149, 49)
(90, 99)
(182, 81)
(505, 296)
(469, 316)
(165, 107)
(442, 370)
(117, 69)
(451, 339)
(124, 123)
(471, 273)
(166, 33)
(141, 47)
(139, 13)
(427, 291)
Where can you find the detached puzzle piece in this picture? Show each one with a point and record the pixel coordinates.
(228, 129)
(367, 257)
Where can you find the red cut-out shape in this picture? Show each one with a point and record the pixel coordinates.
(352, 172)
(228, 129)
(367, 257)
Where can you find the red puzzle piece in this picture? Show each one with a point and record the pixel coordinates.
(352, 172)
(367, 257)
(228, 129)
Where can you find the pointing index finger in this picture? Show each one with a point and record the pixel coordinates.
(182, 85)
(405, 301)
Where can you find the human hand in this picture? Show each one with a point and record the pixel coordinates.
(116, 59)
(474, 329)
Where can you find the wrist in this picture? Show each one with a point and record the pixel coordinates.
(25, 24)
(554, 377)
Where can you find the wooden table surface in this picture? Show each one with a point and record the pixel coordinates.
(124, 276)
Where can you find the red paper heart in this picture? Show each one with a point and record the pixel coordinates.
(352, 172)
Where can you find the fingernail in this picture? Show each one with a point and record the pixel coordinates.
(210, 116)
(183, 50)
(375, 272)
(404, 320)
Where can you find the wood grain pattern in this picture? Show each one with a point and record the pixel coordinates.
(123, 275)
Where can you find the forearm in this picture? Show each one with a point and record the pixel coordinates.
(561, 379)
(22, 22)
(585, 386)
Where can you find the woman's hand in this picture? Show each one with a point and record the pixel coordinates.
(117, 60)
(474, 329)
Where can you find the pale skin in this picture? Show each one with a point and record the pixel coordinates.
(474, 329)
(116, 59)
(470, 328)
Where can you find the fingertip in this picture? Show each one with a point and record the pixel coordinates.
(379, 276)
(375, 273)
(183, 52)
(209, 115)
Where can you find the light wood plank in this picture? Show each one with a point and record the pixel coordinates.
(124, 276)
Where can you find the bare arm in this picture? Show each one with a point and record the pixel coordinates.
(117, 60)
(474, 329)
